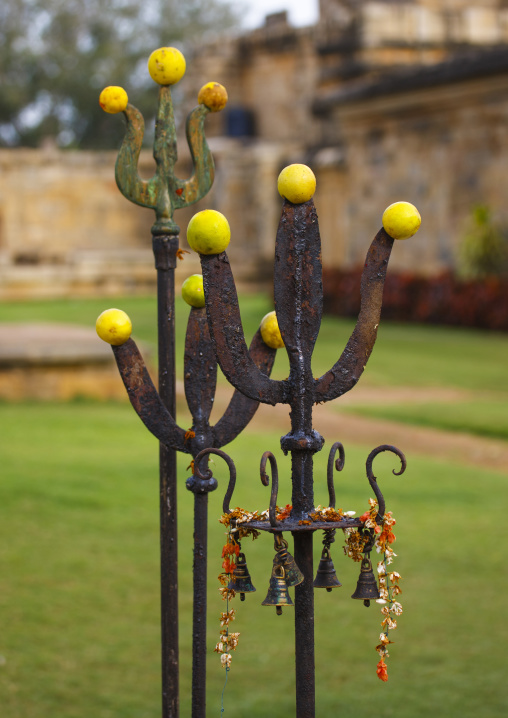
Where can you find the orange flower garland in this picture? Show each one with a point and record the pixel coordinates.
(389, 587)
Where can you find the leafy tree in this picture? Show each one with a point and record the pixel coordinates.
(57, 55)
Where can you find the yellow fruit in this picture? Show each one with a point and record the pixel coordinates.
(113, 99)
(113, 326)
(166, 65)
(297, 183)
(214, 96)
(192, 290)
(270, 332)
(208, 232)
(401, 220)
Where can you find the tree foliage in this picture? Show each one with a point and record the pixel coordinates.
(57, 55)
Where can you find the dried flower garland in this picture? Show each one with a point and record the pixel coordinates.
(228, 641)
(389, 587)
(356, 541)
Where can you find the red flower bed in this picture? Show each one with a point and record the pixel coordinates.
(442, 299)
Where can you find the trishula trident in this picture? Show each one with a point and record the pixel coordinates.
(218, 337)
(164, 193)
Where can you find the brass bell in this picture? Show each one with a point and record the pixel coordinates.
(366, 588)
(278, 595)
(241, 581)
(283, 558)
(326, 576)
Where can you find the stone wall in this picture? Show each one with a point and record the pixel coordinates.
(64, 227)
(443, 148)
(391, 100)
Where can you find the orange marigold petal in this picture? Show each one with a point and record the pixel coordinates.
(382, 671)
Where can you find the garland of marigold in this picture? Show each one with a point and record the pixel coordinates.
(228, 641)
(389, 587)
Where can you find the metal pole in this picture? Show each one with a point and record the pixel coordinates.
(165, 248)
(199, 606)
(303, 501)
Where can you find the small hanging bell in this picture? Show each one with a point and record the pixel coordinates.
(283, 558)
(326, 576)
(366, 588)
(241, 581)
(278, 595)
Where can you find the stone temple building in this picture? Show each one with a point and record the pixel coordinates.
(384, 99)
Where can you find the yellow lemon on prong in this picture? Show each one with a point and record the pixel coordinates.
(270, 332)
(192, 291)
(214, 96)
(297, 183)
(113, 99)
(113, 326)
(166, 65)
(208, 232)
(401, 220)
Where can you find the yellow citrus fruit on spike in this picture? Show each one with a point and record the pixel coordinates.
(208, 232)
(214, 96)
(113, 99)
(113, 326)
(297, 183)
(166, 65)
(401, 220)
(270, 332)
(192, 290)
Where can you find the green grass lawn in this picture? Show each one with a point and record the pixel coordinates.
(404, 355)
(79, 564)
(79, 598)
(483, 417)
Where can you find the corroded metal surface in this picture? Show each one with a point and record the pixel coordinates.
(298, 303)
(338, 463)
(372, 479)
(200, 375)
(200, 370)
(227, 333)
(297, 525)
(144, 396)
(164, 192)
(217, 336)
(265, 480)
(348, 369)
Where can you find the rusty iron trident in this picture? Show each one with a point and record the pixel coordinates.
(165, 193)
(298, 297)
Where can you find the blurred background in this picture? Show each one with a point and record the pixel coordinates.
(386, 100)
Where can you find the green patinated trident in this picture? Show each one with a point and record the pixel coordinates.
(164, 193)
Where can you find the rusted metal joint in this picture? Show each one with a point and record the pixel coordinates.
(300, 441)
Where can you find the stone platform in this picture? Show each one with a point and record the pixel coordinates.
(56, 361)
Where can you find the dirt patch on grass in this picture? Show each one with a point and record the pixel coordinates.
(451, 446)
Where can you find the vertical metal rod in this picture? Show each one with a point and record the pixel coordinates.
(304, 628)
(303, 497)
(199, 606)
(165, 248)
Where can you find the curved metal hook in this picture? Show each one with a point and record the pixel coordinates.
(339, 465)
(207, 474)
(265, 480)
(372, 478)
